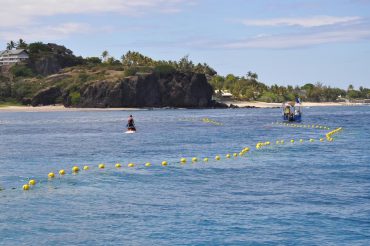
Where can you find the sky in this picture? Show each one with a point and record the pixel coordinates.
(285, 42)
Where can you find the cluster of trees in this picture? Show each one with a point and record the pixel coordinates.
(249, 88)
(20, 44)
(134, 60)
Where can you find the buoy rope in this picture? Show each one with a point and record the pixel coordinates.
(260, 145)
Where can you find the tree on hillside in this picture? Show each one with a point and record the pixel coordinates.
(217, 82)
(93, 60)
(133, 58)
(251, 75)
(123, 57)
(254, 76)
(21, 44)
(185, 65)
(204, 68)
(105, 55)
(10, 45)
(350, 87)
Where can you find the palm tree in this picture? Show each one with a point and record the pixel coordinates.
(249, 74)
(10, 45)
(254, 76)
(21, 44)
(350, 88)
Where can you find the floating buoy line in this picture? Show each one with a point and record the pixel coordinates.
(308, 126)
(204, 120)
(260, 145)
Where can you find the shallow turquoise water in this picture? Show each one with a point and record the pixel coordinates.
(292, 194)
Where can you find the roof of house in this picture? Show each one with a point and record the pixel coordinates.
(12, 52)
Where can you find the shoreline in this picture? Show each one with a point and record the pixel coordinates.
(60, 108)
(240, 104)
(258, 104)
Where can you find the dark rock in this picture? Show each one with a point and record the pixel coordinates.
(216, 104)
(51, 60)
(188, 90)
(46, 65)
(46, 96)
(26, 101)
(233, 106)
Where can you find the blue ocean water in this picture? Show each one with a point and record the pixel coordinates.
(288, 194)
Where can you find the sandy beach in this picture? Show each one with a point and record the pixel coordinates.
(61, 108)
(58, 108)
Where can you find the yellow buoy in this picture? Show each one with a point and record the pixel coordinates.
(301, 140)
(205, 159)
(101, 166)
(148, 164)
(131, 165)
(62, 172)
(235, 155)
(321, 140)
(282, 141)
(118, 165)
(164, 163)
(75, 169)
(241, 153)
(311, 140)
(228, 156)
(32, 182)
(217, 158)
(26, 187)
(194, 159)
(86, 168)
(183, 160)
(292, 141)
(51, 175)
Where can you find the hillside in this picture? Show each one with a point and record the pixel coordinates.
(54, 75)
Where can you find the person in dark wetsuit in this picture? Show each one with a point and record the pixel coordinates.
(131, 124)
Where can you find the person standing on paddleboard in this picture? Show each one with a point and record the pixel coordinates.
(131, 124)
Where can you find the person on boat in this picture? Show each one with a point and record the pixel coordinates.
(131, 124)
(286, 111)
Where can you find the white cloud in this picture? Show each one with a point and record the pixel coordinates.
(24, 12)
(301, 40)
(315, 21)
(49, 32)
(23, 18)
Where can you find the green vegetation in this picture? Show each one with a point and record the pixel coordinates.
(248, 88)
(21, 71)
(23, 81)
(75, 98)
(9, 102)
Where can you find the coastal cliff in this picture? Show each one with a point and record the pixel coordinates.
(147, 90)
(189, 90)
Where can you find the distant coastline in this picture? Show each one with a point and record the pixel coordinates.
(259, 104)
(240, 104)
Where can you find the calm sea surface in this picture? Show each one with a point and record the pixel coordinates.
(292, 194)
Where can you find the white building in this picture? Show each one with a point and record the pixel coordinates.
(8, 57)
(224, 93)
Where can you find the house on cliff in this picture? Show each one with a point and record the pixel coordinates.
(9, 57)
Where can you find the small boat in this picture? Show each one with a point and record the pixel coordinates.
(291, 111)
